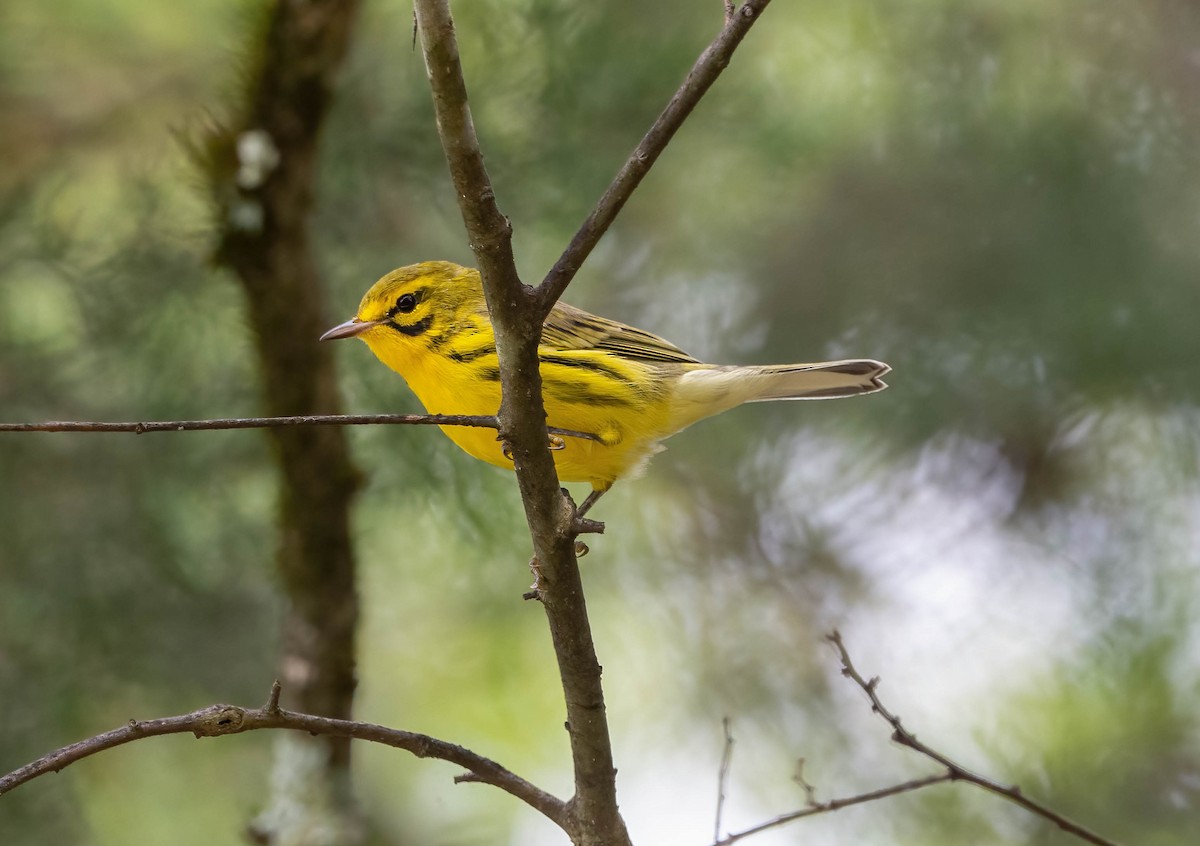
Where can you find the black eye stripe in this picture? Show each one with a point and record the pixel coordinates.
(412, 330)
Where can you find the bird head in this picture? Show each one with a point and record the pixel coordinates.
(413, 304)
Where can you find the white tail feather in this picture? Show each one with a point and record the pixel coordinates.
(710, 390)
(824, 380)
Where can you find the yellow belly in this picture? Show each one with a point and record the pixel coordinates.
(629, 424)
(580, 460)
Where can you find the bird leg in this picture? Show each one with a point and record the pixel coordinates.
(590, 501)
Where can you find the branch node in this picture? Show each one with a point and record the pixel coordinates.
(468, 778)
(219, 720)
(587, 526)
(810, 792)
(272, 706)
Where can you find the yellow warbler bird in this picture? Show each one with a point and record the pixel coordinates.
(628, 388)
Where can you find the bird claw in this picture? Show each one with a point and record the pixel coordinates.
(556, 443)
(535, 589)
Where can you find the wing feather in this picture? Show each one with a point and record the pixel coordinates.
(570, 328)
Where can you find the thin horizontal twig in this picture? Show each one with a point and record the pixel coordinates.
(143, 427)
(835, 805)
(217, 720)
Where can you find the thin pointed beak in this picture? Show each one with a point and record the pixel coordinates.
(349, 329)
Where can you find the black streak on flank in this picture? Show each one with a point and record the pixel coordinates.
(464, 356)
(412, 329)
(587, 364)
(580, 395)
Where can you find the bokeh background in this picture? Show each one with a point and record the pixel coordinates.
(1001, 199)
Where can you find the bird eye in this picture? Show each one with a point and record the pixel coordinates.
(406, 303)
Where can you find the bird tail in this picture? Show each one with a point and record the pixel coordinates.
(706, 389)
(821, 380)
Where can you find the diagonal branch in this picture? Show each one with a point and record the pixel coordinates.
(699, 79)
(218, 720)
(956, 771)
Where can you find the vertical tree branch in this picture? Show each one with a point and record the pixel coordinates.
(262, 169)
(517, 312)
(517, 319)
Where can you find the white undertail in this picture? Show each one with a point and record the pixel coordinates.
(710, 390)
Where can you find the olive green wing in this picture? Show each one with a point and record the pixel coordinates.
(570, 328)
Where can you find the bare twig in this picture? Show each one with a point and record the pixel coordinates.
(836, 805)
(272, 706)
(699, 79)
(956, 771)
(143, 427)
(217, 720)
(810, 792)
(723, 777)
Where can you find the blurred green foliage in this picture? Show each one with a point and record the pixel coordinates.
(1000, 199)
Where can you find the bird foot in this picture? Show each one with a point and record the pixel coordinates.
(535, 589)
